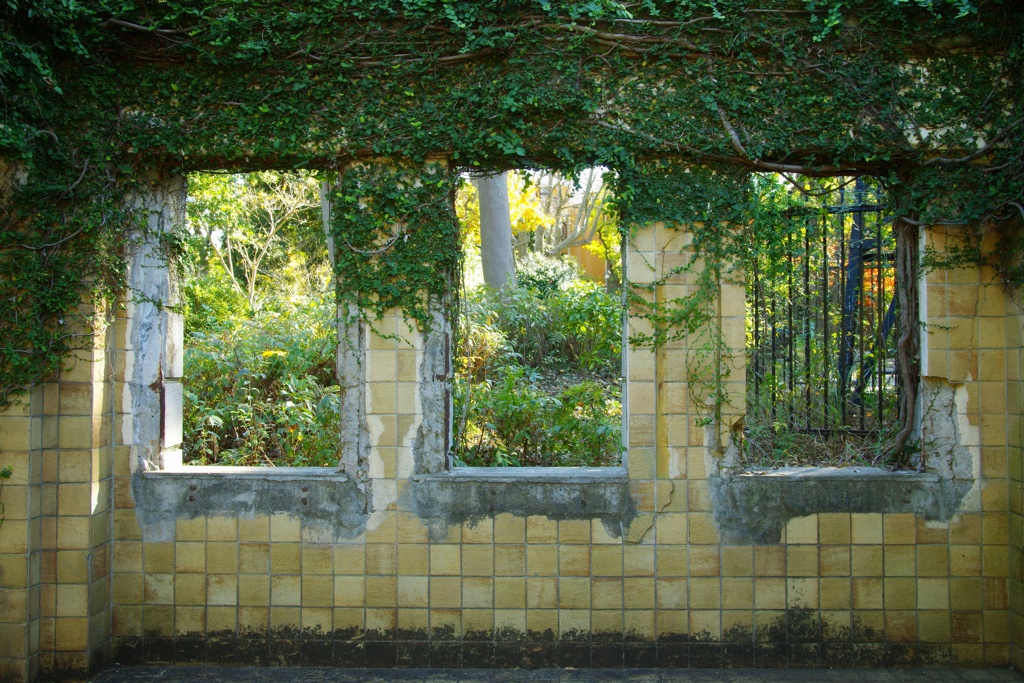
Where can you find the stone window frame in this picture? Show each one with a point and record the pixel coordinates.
(341, 497)
(753, 505)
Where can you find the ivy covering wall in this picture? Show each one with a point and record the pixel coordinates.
(100, 98)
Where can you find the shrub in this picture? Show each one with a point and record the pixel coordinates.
(588, 326)
(577, 327)
(544, 274)
(211, 301)
(263, 391)
(538, 369)
(511, 420)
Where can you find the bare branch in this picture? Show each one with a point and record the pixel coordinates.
(978, 154)
(146, 29)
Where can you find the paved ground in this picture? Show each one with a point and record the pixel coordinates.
(187, 674)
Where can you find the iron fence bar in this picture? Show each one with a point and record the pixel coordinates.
(858, 221)
(789, 331)
(757, 335)
(856, 208)
(807, 323)
(879, 325)
(824, 315)
(775, 374)
(786, 310)
(841, 381)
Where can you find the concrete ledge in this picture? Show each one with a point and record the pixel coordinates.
(270, 473)
(754, 506)
(473, 493)
(540, 475)
(315, 494)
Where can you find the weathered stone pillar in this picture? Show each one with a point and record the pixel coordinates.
(155, 332)
(394, 377)
(21, 441)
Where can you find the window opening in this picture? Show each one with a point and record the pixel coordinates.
(823, 381)
(260, 385)
(538, 360)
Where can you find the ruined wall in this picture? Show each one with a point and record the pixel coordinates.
(967, 352)
(20, 550)
(395, 561)
(55, 542)
(1015, 462)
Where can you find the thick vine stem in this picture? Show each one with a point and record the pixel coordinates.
(908, 346)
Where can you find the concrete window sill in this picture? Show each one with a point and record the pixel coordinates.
(564, 475)
(471, 493)
(320, 495)
(754, 506)
(214, 472)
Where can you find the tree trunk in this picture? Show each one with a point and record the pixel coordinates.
(495, 231)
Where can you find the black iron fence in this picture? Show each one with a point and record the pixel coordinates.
(822, 379)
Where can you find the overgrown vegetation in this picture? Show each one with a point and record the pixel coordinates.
(260, 321)
(538, 383)
(262, 390)
(538, 374)
(823, 368)
(101, 97)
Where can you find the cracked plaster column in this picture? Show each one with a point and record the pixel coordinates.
(155, 331)
(395, 396)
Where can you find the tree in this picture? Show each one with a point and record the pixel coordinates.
(495, 231)
(549, 213)
(254, 223)
(575, 211)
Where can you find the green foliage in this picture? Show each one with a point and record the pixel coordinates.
(544, 274)
(396, 237)
(209, 299)
(252, 225)
(925, 93)
(263, 391)
(512, 420)
(537, 376)
(259, 312)
(577, 325)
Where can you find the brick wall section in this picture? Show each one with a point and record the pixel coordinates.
(75, 597)
(1015, 460)
(21, 441)
(503, 590)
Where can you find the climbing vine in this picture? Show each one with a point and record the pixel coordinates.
(96, 96)
(395, 236)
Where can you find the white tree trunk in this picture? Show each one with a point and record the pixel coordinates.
(495, 231)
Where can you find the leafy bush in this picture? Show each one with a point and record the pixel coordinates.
(575, 327)
(544, 274)
(588, 321)
(263, 391)
(512, 420)
(537, 381)
(210, 301)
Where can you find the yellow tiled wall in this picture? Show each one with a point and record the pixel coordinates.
(55, 542)
(21, 443)
(969, 344)
(76, 548)
(1015, 461)
(504, 590)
